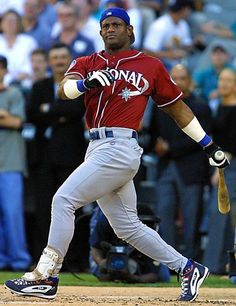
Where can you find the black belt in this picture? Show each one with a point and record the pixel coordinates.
(95, 135)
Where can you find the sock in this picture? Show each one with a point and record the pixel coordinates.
(188, 265)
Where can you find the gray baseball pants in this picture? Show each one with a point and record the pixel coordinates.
(107, 176)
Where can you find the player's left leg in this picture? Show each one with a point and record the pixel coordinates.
(120, 209)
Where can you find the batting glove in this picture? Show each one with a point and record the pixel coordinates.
(217, 157)
(99, 78)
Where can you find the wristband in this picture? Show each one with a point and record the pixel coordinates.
(196, 132)
(74, 88)
(81, 87)
(206, 140)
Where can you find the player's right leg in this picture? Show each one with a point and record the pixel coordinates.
(43, 281)
(103, 171)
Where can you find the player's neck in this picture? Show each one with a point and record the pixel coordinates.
(116, 50)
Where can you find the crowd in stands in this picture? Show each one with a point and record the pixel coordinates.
(43, 138)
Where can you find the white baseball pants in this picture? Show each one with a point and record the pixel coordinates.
(107, 176)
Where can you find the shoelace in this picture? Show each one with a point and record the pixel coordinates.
(184, 285)
(184, 281)
(24, 282)
(21, 282)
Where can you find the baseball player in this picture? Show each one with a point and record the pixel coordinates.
(116, 84)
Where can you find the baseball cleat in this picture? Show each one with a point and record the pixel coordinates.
(46, 289)
(192, 278)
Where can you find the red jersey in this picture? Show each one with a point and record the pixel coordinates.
(137, 76)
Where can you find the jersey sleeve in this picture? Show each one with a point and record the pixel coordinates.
(78, 66)
(165, 90)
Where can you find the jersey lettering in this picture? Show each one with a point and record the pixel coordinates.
(137, 76)
(132, 77)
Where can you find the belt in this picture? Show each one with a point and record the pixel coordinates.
(109, 134)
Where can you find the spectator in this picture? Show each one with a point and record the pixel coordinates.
(224, 131)
(7, 5)
(13, 249)
(17, 48)
(47, 14)
(211, 26)
(182, 168)
(39, 72)
(87, 24)
(206, 25)
(139, 268)
(39, 65)
(206, 78)
(60, 143)
(217, 29)
(169, 36)
(32, 26)
(39, 60)
(153, 6)
(79, 44)
(150, 10)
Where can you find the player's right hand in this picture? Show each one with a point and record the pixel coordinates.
(217, 157)
(99, 78)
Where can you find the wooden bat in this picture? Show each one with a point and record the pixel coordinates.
(223, 194)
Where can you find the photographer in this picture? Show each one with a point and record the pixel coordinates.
(111, 259)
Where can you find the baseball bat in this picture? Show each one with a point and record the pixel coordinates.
(223, 194)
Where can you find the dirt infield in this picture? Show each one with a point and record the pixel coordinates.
(125, 296)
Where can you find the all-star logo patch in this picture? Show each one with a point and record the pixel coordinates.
(125, 94)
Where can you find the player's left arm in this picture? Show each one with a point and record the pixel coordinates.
(180, 112)
(186, 120)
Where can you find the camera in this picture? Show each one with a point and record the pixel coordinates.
(118, 261)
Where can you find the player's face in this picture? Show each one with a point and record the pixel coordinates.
(116, 33)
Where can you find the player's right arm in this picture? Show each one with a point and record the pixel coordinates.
(61, 90)
(72, 86)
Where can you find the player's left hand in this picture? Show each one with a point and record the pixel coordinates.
(217, 157)
(99, 78)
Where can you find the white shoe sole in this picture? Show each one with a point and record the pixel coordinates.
(39, 295)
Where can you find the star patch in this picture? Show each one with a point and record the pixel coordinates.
(125, 94)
